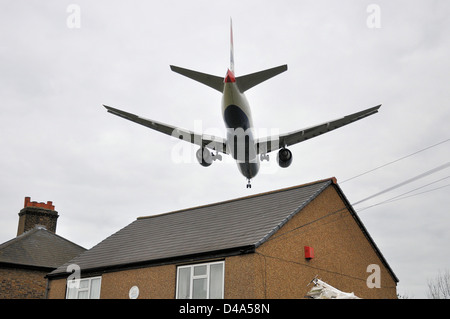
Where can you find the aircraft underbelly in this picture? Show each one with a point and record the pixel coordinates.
(240, 135)
(249, 170)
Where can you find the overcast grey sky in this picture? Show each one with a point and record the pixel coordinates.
(101, 172)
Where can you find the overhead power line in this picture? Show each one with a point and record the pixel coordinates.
(402, 196)
(283, 235)
(434, 170)
(397, 160)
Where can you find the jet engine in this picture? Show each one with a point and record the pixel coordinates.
(204, 157)
(284, 157)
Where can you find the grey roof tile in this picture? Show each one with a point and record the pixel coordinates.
(232, 224)
(38, 247)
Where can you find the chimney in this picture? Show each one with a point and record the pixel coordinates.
(34, 213)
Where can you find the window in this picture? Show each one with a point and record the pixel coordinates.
(201, 281)
(88, 288)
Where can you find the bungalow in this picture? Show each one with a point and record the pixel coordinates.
(270, 245)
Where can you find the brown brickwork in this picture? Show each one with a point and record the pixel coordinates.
(22, 283)
(29, 217)
(36, 251)
(342, 253)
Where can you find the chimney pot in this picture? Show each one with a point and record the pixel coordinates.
(27, 201)
(50, 205)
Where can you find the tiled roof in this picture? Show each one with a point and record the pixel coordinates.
(38, 247)
(231, 227)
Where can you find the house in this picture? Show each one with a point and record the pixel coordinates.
(37, 250)
(270, 245)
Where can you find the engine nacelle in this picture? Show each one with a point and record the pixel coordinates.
(284, 157)
(204, 157)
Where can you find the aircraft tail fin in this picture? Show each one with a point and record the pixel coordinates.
(212, 81)
(248, 81)
(231, 47)
(244, 82)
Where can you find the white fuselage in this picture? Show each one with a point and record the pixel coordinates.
(240, 133)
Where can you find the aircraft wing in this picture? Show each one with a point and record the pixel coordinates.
(202, 140)
(272, 143)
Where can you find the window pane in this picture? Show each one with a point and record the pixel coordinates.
(83, 294)
(71, 293)
(84, 283)
(200, 270)
(95, 288)
(184, 280)
(215, 281)
(199, 288)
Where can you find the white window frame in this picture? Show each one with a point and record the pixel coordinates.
(206, 276)
(77, 289)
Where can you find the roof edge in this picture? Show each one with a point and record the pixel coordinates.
(14, 265)
(365, 232)
(223, 253)
(331, 179)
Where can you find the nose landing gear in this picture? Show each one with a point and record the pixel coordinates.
(249, 185)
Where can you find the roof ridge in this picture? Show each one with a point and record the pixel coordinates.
(18, 238)
(61, 237)
(31, 231)
(332, 179)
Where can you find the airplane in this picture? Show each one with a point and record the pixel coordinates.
(241, 142)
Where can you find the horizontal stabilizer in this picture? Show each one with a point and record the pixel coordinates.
(248, 81)
(212, 81)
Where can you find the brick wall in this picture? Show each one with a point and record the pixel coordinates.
(22, 283)
(29, 217)
(342, 253)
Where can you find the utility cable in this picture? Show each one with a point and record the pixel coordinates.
(396, 198)
(382, 192)
(434, 170)
(397, 160)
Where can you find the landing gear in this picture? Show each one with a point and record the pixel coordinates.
(216, 157)
(249, 185)
(264, 157)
